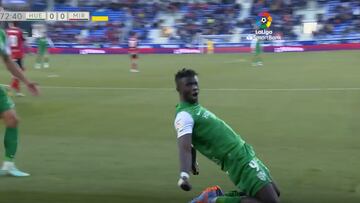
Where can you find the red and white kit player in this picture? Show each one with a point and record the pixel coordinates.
(133, 51)
(16, 41)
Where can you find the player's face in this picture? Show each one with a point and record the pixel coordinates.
(189, 89)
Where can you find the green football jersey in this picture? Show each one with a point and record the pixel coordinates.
(42, 42)
(211, 136)
(4, 46)
(258, 47)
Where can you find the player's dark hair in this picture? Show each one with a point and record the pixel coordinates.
(183, 73)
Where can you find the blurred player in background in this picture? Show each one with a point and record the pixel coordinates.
(7, 111)
(42, 59)
(210, 46)
(256, 49)
(200, 129)
(17, 42)
(133, 51)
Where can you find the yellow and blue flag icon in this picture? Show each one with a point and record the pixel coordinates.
(99, 17)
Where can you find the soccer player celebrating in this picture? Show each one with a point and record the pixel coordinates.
(16, 40)
(200, 129)
(133, 51)
(8, 112)
(42, 59)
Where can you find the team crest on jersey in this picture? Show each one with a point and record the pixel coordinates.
(262, 176)
(208, 114)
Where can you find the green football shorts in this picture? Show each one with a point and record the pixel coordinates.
(246, 171)
(42, 51)
(6, 102)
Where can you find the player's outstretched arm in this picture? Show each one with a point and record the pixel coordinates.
(15, 71)
(185, 156)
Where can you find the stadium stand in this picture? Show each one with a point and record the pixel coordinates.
(181, 21)
(338, 19)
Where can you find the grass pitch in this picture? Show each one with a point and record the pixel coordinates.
(99, 133)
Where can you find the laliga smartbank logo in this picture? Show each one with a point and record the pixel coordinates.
(263, 23)
(263, 20)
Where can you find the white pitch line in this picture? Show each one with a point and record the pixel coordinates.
(287, 89)
(235, 61)
(53, 76)
(105, 88)
(204, 89)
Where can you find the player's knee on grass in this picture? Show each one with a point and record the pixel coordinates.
(10, 119)
(268, 194)
(271, 201)
(249, 200)
(276, 189)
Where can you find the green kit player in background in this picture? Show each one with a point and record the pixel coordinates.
(256, 49)
(199, 129)
(42, 59)
(8, 113)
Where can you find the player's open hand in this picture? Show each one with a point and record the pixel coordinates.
(33, 89)
(184, 184)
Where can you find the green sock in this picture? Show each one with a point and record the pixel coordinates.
(10, 142)
(228, 199)
(234, 193)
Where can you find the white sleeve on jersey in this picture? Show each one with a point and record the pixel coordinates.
(184, 123)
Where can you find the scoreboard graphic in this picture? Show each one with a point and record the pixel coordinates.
(54, 16)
